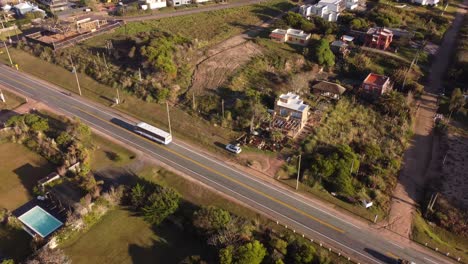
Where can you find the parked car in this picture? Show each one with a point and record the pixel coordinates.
(233, 148)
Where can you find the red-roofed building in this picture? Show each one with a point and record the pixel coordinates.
(376, 84)
(378, 38)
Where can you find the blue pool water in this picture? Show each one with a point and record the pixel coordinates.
(40, 221)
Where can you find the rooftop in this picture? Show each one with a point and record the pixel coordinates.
(347, 38)
(329, 87)
(339, 43)
(380, 31)
(292, 101)
(330, 2)
(376, 79)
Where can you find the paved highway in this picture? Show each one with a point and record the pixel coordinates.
(280, 204)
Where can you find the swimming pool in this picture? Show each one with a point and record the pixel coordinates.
(40, 221)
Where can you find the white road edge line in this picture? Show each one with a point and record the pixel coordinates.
(282, 190)
(396, 245)
(203, 156)
(261, 205)
(430, 260)
(8, 85)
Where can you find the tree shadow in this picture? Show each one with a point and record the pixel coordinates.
(382, 257)
(29, 175)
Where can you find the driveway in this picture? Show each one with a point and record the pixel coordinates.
(413, 176)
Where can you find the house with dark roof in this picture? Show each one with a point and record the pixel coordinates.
(376, 85)
(328, 89)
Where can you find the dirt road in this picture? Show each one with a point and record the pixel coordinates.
(418, 157)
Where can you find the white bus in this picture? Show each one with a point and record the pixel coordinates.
(153, 133)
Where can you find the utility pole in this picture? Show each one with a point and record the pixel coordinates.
(2, 97)
(298, 172)
(193, 101)
(118, 96)
(139, 74)
(222, 107)
(168, 118)
(76, 76)
(9, 57)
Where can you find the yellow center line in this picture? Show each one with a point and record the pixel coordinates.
(208, 168)
(221, 174)
(390, 254)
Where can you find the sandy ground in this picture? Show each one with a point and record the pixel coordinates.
(419, 156)
(455, 167)
(221, 62)
(412, 177)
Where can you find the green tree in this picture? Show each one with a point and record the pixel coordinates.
(457, 101)
(393, 104)
(211, 218)
(225, 255)
(64, 139)
(8, 261)
(323, 54)
(250, 253)
(280, 245)
(138, 196)
(334, 165)
(162, 203)
(301, 252)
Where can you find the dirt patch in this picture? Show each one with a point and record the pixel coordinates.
(221, 62)
(413, 175)
(455, 167)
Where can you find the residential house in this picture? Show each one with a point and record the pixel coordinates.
(293, 36)
(376, 85)
(56, 5)
(327, 9)
(290, 114)
(352, 4)
(328, 89)
(181, 2)
(339, 47)
(425, 2)
(378, 38)
(23, 8)
(153, 4)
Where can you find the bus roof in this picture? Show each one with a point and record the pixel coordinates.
(153, 129)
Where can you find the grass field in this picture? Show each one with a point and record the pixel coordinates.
(121, 237)
(195, 193)
(14, 243)
(12, 101)
(106, 152)
(184, 125)
(317, 191)
(19, 172)
(436, 237)
(207, 27)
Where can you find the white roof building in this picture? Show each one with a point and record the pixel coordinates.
(292, 101)
(327, 9)
(154, 4)
(291, 35)
(425, 2)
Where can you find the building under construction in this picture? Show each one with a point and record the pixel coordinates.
(63, 34)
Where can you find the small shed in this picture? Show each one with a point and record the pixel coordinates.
(328, 89)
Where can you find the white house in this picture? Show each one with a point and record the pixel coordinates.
(181, 2)
(352, 4)
(293, 36)
(425, 2)
(327, 9)
(23, 8)
(154, 4)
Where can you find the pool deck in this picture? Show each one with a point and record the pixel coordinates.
(45, 205)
